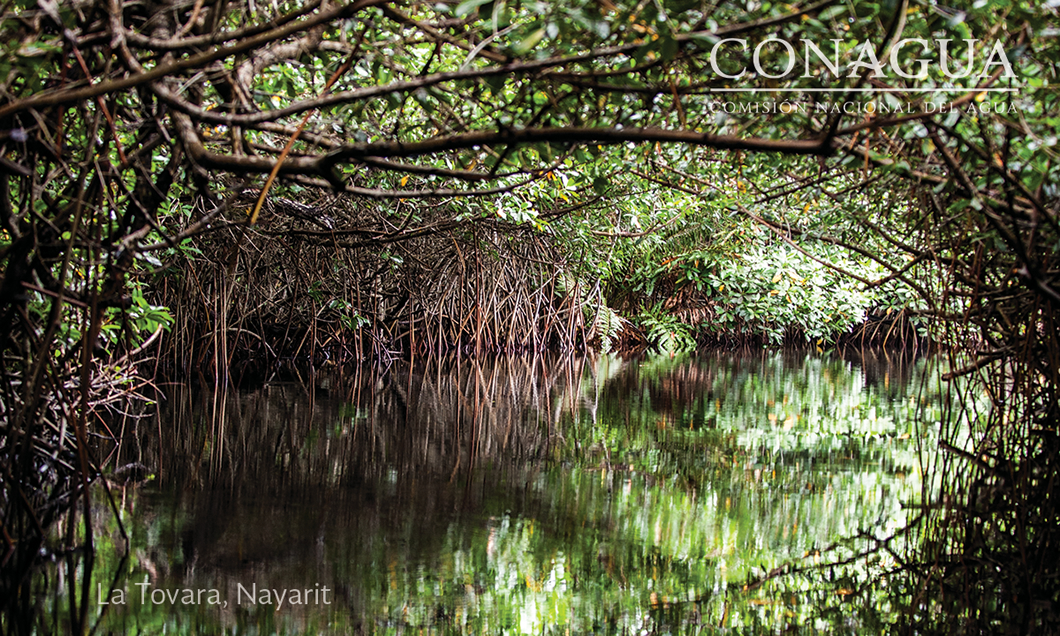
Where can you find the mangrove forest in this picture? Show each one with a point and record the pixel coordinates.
(529, 317)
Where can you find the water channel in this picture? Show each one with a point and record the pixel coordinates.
(525, 495)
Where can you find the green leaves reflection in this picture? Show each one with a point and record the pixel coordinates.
(678, 481)
(656, 491)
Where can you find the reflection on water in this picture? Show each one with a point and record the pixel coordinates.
(520, 495)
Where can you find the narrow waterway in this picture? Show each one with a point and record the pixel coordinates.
(534, 495)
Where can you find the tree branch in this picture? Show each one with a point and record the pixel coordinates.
(65, 96)
(573, 135)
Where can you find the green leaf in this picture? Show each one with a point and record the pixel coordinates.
(668, 48)
(831, 12)
(465, 8)
(496, 83)
(529, 42)
(867, 10)
(424, 100)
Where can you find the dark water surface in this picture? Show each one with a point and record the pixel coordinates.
(522, 496)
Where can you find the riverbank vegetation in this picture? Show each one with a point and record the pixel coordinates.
(205, 188)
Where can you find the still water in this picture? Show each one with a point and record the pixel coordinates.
(528, 495)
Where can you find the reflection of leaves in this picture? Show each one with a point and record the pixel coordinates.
(677, 507)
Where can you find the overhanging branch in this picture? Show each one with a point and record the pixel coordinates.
(574, 135)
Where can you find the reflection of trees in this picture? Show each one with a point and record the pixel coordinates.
(473, 483)
(364, 451)
(435, 423)
(778, 392)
